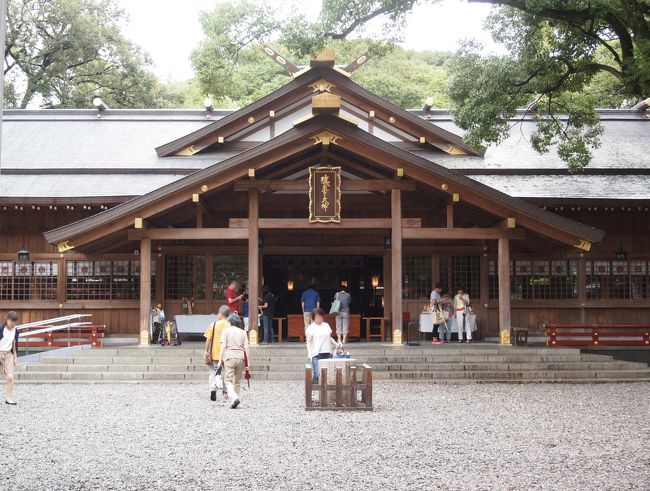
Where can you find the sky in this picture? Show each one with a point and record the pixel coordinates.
(169, 33)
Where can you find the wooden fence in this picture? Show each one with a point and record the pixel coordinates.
(340, 390)
(598, 335)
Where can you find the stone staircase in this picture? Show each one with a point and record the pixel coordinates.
(476, 363)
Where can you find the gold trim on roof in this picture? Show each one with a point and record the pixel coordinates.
(322, 86)
(325, 137)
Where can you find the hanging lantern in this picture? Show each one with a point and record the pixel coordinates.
(290, 285)
(375, 281)
(23, 255)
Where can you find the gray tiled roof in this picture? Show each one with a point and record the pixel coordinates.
(67, 144)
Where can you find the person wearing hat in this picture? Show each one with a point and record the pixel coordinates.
(235, 357)
(9, 352)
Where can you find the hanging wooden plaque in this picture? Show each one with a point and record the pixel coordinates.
(324, 194)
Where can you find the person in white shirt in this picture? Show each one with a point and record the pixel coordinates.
(461, 309)
(319, 341)
(436, 304)
(9, 352)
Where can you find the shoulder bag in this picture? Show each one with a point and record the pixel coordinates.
(336, 305)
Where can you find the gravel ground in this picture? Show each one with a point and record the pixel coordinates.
(420, 436)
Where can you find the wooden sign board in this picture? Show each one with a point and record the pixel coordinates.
(324, 194)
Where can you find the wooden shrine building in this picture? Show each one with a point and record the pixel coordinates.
(319, 182)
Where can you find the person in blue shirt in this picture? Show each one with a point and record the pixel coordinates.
(310, 300)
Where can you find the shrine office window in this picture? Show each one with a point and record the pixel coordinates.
(185, 276)
(31, 280)
(105, 280)
(532, 279)
(224, 270)
(618, 279)
(416, 277)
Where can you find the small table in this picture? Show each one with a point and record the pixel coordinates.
(382, 328)
(280, 327)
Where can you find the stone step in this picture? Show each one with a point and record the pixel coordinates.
(372, 360)
(438, 377)
(391, 367)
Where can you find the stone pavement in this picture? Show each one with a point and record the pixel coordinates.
(420, 437)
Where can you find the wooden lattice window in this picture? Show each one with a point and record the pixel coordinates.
(416, 277)
(225, 269)
(185, 277)
(28, 280)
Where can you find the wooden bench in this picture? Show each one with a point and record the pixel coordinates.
(323, 388)
(597, 335)
(296, 326)
(59, 339)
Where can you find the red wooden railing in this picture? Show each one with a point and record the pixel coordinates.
(597, 334)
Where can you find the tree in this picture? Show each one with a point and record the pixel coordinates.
(233, 69)
(558, 50)
(65, 51)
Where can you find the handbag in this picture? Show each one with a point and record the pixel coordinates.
(336, 305)
(207, 357)
(438, 316)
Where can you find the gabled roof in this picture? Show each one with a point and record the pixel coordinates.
(303, 137)
(287, 97)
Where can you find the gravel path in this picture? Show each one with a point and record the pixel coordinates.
(419, 437)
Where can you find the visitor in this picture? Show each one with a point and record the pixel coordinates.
(310, 300)
(235, 357)
(245, 313)
(447, 313)
(158, 319)
(233, 297)
(268, 312)
(461, 309)
(9, 352)
(435, 305)
(343, 319)
(319, 341)
(213, 350)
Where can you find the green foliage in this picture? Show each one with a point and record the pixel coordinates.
(67, 50)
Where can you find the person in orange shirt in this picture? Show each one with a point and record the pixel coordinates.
(213, 348)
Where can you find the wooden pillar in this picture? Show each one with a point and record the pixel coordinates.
(62, 281)
(485, 294)
(253, 263)
(396, 265)
(145, 289)
(582, 287)
(450, 216)
(504, 290)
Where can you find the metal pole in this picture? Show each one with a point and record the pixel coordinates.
(3, 36)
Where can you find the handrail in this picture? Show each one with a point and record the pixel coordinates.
(55, 328)
(51, 321)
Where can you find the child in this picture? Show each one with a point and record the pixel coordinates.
(9, 352)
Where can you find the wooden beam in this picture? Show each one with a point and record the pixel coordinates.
(199, 215)
(346, 223)
(253, 263)
(396, 265)
(461, 233)
(302, 185)
(145, 289)
(189, 234)
(503, 267)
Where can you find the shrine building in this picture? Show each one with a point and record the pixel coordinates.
(320, 182)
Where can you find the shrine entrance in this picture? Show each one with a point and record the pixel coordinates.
(289, 276)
